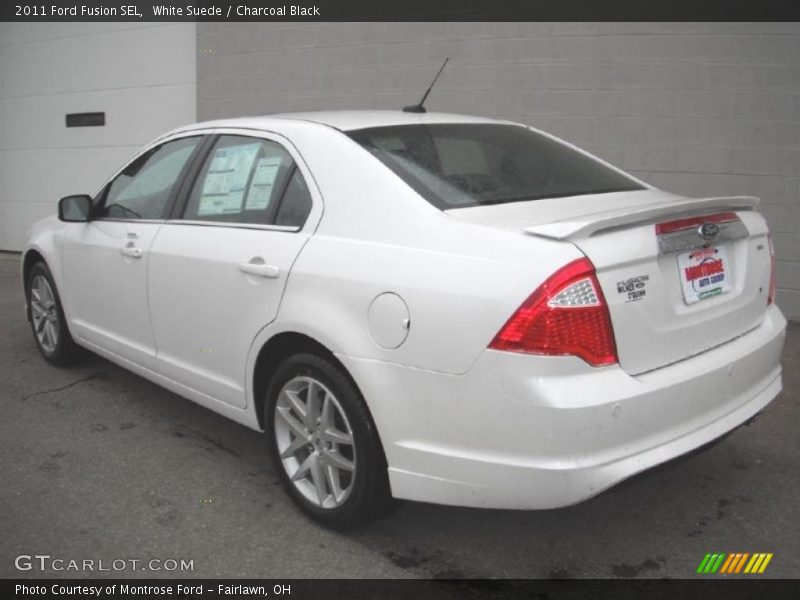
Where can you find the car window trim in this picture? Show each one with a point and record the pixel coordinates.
(103, 195)
(282, 195)
(272, 213)
(198, 160)
(120, 220)
(265, 227)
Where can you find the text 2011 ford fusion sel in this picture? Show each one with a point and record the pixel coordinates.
(418, 306)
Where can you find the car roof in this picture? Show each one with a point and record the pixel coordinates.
(344, 120)
(347, 120)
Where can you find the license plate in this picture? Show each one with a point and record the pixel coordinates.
(703, 273)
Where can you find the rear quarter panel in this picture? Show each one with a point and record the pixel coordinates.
(460, 281)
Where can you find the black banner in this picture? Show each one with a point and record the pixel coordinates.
(401, 10)
(346, 589)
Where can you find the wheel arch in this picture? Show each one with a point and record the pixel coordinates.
(279, 347)
(30, 258)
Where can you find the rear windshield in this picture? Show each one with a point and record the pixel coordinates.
(462, 165)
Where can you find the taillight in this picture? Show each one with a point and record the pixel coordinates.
(566, 315)
(773, 271)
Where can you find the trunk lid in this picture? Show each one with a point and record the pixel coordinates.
(671, 292)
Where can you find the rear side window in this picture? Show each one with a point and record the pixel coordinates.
(462, 165)
(241, 181)
(296, 202)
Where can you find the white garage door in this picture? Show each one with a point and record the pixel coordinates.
(141, 76)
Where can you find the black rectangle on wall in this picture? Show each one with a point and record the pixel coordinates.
(88, 119)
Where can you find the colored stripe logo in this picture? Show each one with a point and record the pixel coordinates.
(736, 562)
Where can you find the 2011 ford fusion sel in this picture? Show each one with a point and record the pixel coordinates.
(431, 307)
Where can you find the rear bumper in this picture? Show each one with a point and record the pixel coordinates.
(528, 432)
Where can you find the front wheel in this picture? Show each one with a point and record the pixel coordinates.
(47, 318)
(324, 445)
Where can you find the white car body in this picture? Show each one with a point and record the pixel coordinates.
(460, 423)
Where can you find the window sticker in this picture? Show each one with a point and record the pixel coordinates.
(223, 188)
(263, 180)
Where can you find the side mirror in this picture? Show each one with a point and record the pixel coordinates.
(75, 209)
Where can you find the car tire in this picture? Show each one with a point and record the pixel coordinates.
(310, 448)
(49, 326)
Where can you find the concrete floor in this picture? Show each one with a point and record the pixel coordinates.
(98, 463)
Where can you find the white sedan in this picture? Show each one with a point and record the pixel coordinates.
(430, 307)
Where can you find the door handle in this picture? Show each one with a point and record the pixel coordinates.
(257, 266)
(131, 251)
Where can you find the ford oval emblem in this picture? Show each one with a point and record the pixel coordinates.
(708, 231)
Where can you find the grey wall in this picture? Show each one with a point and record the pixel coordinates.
(693, 108)
(141, 75)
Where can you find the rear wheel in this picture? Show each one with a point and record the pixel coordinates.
(47, 318)
(324, 445)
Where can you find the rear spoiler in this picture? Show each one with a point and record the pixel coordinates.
(588, 225)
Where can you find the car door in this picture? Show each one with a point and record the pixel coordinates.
(218, 268)
(105, 260)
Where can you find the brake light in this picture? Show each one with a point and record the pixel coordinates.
(566, 315)
(773, 271)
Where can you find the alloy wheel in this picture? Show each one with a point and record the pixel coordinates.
(44, 311)
(315, 442)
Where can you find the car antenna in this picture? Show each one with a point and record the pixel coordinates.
(420, 108)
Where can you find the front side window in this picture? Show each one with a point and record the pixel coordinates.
(242, 181)
(144, 188)
(461, 165)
